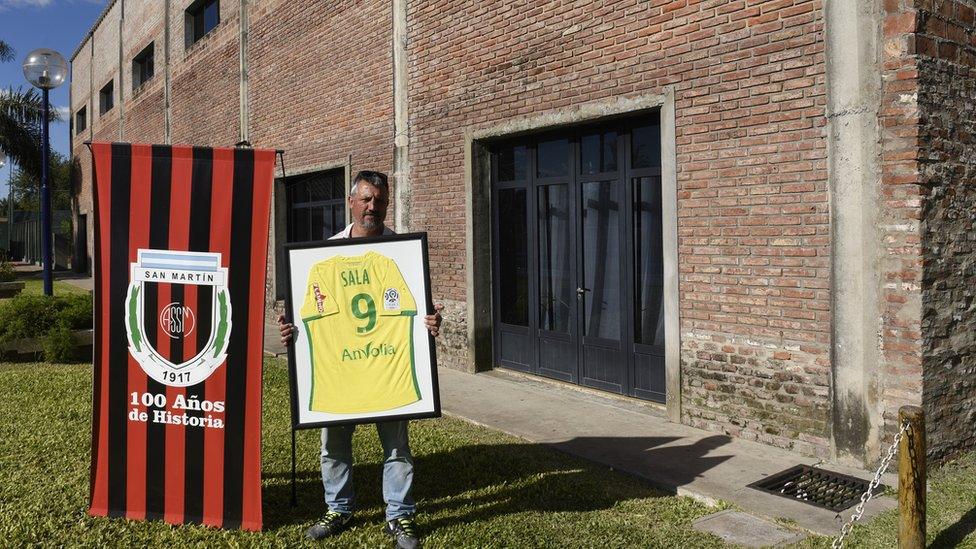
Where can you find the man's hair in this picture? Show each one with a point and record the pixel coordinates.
(376, 179)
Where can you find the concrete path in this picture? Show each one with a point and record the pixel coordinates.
(85, 283)
(27, 271)
(746, 530)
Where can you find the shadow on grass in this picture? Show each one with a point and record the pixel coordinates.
(481, 482)
(955, 534)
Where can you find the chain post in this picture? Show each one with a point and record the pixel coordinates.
(875, 482)
(911, 480)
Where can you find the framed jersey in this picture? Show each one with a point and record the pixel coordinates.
(361, 352)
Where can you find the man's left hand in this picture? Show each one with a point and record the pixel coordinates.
(433, 321)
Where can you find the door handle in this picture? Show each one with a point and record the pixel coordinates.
(581, 291)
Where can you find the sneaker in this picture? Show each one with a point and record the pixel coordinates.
(332, 524)
(402, 529)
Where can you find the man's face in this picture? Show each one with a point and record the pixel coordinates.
(368, 205)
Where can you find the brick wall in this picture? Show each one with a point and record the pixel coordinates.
(105, 45)
(753, 231)
(144, 106)
(946, 46)
(321, 82)
(752, 207)
(81, 96)
(321, 88)
(205, 80)
(81, 88)
(87, 79)
(899, 214)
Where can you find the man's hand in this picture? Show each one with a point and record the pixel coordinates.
(433, 321)
(287, 330)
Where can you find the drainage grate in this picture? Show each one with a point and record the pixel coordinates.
(815, 486)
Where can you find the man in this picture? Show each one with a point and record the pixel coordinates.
(368, 200)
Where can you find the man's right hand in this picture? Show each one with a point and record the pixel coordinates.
(287, 330)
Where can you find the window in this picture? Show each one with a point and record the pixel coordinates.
(201, 17)
(106, 97)
(81, 120)
(142, 67)
(316, 205)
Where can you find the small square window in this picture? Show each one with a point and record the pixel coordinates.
(316, 205)
(81, 120)
(142, 66)
(313, 208)
(201, 18)
(106, 97)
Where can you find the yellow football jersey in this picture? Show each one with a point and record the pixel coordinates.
(358, 315)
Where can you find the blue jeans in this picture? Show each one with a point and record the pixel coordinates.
(397, 468)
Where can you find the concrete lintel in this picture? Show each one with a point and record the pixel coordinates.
(319, 167)
(853, 63)
(572, 115)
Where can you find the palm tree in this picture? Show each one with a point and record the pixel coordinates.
(20, 128)
(21, 114)
(6, 52)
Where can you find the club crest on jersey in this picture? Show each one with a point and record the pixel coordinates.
(159, 318)
(391, 299)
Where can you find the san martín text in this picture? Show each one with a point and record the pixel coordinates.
(189, 411)
(183, 277)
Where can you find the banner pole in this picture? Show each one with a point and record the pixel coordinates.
(294, 494)
(294, 497)
(281, 157)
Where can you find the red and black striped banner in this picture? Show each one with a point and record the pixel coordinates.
(181, 237)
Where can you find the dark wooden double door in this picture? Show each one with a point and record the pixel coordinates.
(577, 256)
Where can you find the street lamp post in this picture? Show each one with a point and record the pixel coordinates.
(10, 213)
(45, 69)
(3, 162)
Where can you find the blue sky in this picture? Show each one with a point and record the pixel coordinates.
(57, 24)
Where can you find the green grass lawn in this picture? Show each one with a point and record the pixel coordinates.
(475, 487)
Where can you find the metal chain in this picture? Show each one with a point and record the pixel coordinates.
(869, 493)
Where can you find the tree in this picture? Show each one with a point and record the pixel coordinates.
(25, 194)
(21, 115)
(26, 189)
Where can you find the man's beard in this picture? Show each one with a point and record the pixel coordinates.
(370, 223)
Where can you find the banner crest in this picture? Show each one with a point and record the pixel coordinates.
(177, 319)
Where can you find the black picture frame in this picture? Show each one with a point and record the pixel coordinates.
(296, 424)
